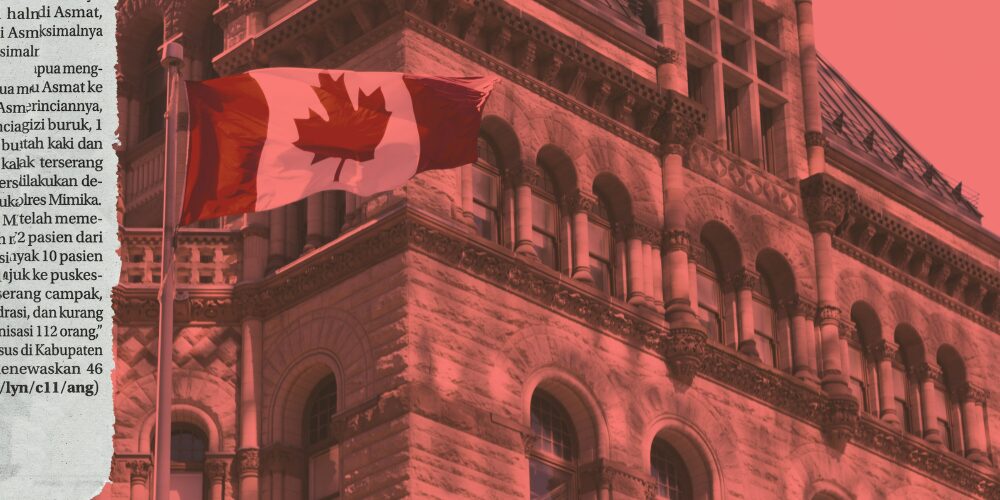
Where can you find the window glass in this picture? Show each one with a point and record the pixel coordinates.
(672, 478)
(320, 408)
(600, 255)
(552, 462)
(545, 227)
(485, 203)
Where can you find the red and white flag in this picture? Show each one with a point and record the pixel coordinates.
(273, 136)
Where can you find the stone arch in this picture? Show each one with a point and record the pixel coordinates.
(722, 245)
(182, 413)
(867, 321)
(531, 355)
(612, 190)
(814, 470)
(638, 171)
(910, 344)
(137, 20)
(314, 344)
(853, 286)
(557, 164)
(504, 139)
(693, 446)
(772, 265)
(952, 366)
(579, 402)
(207, 401)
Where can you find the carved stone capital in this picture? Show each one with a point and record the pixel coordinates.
(825, 201)
(642, 232)
(249, 461)
(848, 330)
(744, 279)
(528, 442)
(799, 306)
(684, 120)
(676, 239)
(968, 392)
(882, 350)
(815, 139)
(827, 314)
(578, 201)
(216, 470)
(524, 176)
(926, 371)
(666, 55)
(683, 349)
(139, 469)
(840, 420)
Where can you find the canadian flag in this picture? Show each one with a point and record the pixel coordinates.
(269, 137)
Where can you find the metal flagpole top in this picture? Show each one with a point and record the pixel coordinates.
(173, 53)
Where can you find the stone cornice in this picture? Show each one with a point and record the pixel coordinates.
(517, 47)
(903, 252)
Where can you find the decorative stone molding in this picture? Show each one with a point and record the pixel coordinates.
(684, 120)
(924, 371)
(249, 461)
(529, 441)
(743, 178)
(825, 202)
(882, 350)
(578, 201)
(968, 392)
(139, 469)
(524, 175)
(642, 232)
(605, 474)
(799, 306)
(215, 470)
(840, 421)
(683, 349)
(676, 239)
(827, 314)
(744, 279)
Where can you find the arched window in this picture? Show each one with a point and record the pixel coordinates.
(323, 476)
(710, 298)
(553, 458)
(673, 480)
(765, 319)
(904, 389)
(486, 192)
(601, 247)
(188, 444)
(545, 219)
(322, 404)
(153, 95)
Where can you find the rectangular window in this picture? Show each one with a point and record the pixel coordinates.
(763, 319)
(946, 439)
(859, 379)
(545, 227)
(694, 84)
(732, 103)
(710, 306)
(600, 256)
(486, 203)
(727, 9)
(901, 386)
(768, 139)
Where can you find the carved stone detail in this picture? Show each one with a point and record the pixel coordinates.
(744, 279)
(578, 201)
(524, 175)
(683, 349)
(882, 350)
(216, 470)
(815, 139)
(824, 200)
(840, 421)
(676, 239)
(924, 371)
(827, 314)
(139, 469)
(249, 461)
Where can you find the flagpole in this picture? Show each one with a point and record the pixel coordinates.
(173, 58)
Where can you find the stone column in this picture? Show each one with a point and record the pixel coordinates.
(579, 205)
(973, 422)
(276, 239)
(647, 266)
(139, 478)
(656, 260)
(331, 215)
(255, 246)
(466, 190)
(215, 471)
(825, 203)
(883, 352)
(636, 264)
(810, 87)
(314, 221)
(523, 178)
(803, 346)
(931, 407)
(743, 281)
(250, 351)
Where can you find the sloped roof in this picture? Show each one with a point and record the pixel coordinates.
(850, 117)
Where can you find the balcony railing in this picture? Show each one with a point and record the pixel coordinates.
(203, 256)
(143, 167)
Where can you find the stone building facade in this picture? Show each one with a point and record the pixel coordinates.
(691, 262)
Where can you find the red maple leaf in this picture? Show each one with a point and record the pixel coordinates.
(348, 132)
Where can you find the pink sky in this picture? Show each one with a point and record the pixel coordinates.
(931, 69)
